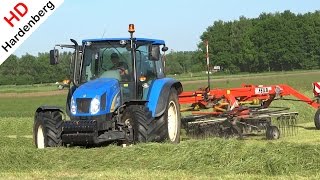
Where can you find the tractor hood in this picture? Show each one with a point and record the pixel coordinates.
(96, 97)
(96, 87)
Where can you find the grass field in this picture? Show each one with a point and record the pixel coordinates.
(27, 88)
(221, 75)
(25, 106)
(291, 157)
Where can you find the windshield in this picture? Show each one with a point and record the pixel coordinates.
(110, 59)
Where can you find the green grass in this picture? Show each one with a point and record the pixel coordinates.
(221, 75)
(27, 88)
(300, 81)
(291, 157)
(26, 106)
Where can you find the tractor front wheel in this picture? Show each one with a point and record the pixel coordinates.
(47, 129)
(138, 118)
(317, 119)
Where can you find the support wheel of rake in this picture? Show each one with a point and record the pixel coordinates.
(272, 133)
(47, 129)
(317, 119)
(138, 120)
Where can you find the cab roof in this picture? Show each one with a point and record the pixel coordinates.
(153, 41)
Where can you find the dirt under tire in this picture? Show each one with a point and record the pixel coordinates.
(167, 126)
(140, 119)
(47, 129)
(272, 133)
(317, 119)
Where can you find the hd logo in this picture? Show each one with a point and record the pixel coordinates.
(19, 19)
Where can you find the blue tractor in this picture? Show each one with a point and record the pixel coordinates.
(119, 93)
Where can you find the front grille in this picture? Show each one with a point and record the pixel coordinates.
(83, 105)
(103, 101)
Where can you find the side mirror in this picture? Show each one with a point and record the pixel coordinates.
(164, 48)
(154, 52)
(54, 57)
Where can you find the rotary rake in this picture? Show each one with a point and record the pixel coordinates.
(237, 112)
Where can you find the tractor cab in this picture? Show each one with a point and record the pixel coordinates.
(113, 58)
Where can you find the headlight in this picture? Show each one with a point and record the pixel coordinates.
(95, 105)
(73, 106)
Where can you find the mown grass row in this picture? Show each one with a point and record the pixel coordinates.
(289, 157)
(211, 157)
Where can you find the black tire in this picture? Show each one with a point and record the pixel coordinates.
(159, 131)
(140, 119)
(272, 133)
(47, 129)
(317, 119)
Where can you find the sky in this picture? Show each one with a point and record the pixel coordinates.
(179, 22)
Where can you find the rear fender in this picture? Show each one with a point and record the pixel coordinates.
(159, 94)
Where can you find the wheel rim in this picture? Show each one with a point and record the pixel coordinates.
(172, 121)
(275, 135)
(40, 138)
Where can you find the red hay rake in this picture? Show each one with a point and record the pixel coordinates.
(241, 111)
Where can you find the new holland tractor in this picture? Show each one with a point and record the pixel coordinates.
(119, 93)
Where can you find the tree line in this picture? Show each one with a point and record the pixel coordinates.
(271, 42)
(30, 69)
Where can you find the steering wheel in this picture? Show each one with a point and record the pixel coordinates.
(122, 70)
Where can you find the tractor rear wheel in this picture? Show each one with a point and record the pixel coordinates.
(47, 129)
(317, 119)
(167, 126)
(138, 118)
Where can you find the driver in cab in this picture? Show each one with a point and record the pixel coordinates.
(119, 65)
